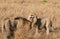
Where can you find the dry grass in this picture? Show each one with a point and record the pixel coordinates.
(50, 9)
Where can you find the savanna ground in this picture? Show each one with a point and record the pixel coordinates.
(49, 8)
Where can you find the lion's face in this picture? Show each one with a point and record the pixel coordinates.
(32, 18)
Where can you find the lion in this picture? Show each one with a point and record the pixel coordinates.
(42, 23)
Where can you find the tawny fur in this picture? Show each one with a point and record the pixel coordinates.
(45, 22)
(23, 22)
(8, 28)
(33, 19)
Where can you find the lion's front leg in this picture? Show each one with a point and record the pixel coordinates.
(47, 28)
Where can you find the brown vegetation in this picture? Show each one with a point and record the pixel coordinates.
(23, 8)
